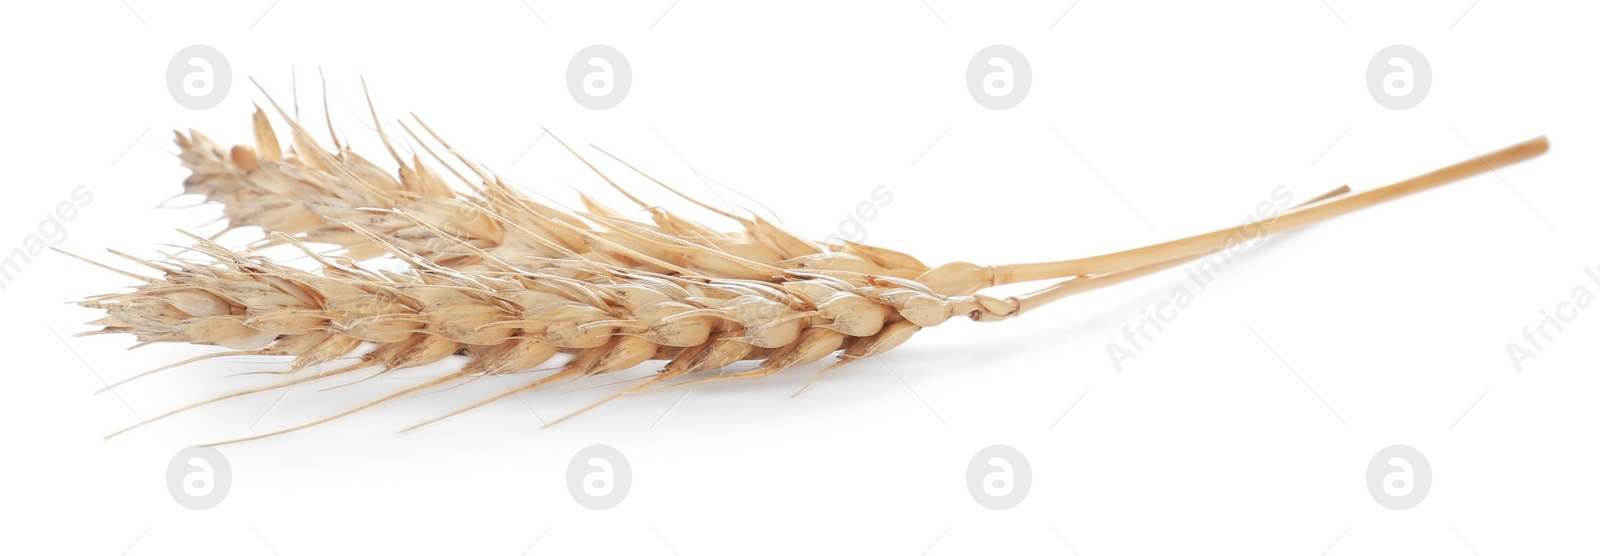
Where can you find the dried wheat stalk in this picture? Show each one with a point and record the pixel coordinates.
(511, 283)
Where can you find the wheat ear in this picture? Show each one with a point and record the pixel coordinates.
(316, 196)
(609, 318)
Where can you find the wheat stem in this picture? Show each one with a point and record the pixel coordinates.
(1323, 210)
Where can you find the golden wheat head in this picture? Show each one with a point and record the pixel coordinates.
(510, 283)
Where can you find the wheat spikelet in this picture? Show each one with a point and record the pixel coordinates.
(510, 283)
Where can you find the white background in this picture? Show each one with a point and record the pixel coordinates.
(1397, 317)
